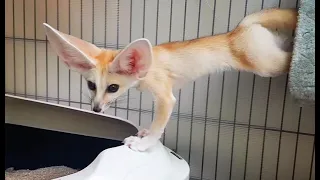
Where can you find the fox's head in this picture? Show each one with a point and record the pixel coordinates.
(109, 73)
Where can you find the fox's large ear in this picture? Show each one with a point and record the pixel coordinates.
(75, 53)
(135, 59)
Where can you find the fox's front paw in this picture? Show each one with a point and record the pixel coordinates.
(141, 144)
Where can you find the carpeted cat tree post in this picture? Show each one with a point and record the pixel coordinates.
(302, 72)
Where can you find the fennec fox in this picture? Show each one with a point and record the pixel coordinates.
(252, 46)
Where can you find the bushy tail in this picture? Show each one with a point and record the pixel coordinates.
(274, 18)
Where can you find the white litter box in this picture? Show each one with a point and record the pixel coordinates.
(117, 163)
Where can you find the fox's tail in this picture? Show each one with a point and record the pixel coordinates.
(274, 18)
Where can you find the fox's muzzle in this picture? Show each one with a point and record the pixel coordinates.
(96, 108)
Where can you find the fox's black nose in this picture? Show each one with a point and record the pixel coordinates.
(96, 109)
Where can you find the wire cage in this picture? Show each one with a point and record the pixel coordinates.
(230, 125)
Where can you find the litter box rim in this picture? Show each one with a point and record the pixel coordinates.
(106, 118)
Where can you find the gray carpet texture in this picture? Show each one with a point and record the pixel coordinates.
(302, 71)
(47, 173)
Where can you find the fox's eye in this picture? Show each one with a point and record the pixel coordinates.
(91, 86)
(113, 88)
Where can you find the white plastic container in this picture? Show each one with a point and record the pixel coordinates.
(122, 163)
(118, 163)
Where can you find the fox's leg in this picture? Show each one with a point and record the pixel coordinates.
(164, 107)
(164, 102)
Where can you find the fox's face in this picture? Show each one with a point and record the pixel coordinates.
(109, 73)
